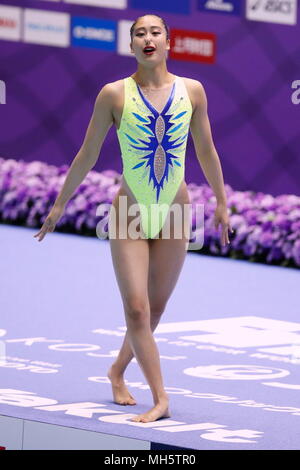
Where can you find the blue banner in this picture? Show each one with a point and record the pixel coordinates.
(93, 32)
(228, 7)
(170, 6)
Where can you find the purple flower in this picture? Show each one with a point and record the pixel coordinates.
(296, 252)
(263, 225)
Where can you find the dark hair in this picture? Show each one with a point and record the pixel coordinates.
(162, 20)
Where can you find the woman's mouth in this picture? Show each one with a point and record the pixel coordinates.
(149, 50)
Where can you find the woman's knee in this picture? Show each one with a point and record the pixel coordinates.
(137, 310)
(157, 309)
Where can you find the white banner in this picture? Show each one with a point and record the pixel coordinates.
(279, 11)
(120, 4)
(46, 27)
(10, 23)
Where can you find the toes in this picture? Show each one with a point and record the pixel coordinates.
(126, 402)
(137, 419)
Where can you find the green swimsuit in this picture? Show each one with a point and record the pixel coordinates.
(153, 148)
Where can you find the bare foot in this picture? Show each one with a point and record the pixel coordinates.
(119, 389)
(160, 410)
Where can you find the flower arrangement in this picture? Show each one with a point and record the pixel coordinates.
(266, 228)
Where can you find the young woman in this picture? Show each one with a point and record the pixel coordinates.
(153, 111)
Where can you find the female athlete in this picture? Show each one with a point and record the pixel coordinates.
(153, 111)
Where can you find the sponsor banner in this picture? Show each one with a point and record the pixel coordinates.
(10, 23)
(193, 46)
(46, 27)
(171, 6)
(229, 7)
(123, 41)
(120, 4)
(273, 11)
(93, 32)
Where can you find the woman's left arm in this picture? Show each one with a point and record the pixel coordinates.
(208, 157)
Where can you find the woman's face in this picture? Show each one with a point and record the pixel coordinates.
(149, 31)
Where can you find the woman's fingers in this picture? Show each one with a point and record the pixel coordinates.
(48, 226)
(225, 234)
(40, 234)
(226, 229)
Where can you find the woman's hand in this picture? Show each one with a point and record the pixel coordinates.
(221, 216)
(50, 222)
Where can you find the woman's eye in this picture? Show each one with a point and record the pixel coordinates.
(155, 32)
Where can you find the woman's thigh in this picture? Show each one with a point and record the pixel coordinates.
(147, 270)
(121, 224)
(167, 256)
(165, 264)
(131, 265)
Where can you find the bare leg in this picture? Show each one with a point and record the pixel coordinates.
(167, 258)
(116, 372)
(165, 263)
(131, 264)
(163, 275)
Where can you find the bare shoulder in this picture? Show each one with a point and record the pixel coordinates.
(192, 83)
(196, 91)
(112, 89)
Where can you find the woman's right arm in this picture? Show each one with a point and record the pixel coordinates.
(86, 158)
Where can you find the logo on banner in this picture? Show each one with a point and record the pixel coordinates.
(50, 28)
(10, 23)
(274, 11)
(93, 32)
(193, 46)
(220, 6)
